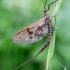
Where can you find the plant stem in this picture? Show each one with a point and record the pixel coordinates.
(52, 43)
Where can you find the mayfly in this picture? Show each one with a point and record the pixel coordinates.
(36, 32)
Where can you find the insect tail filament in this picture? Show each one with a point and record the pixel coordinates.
(30, 60)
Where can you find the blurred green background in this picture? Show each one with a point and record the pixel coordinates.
(16, 15)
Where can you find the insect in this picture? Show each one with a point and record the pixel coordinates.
(36, 32)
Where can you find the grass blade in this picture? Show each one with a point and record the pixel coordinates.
(52, 43)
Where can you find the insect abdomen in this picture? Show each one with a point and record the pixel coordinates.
(50, 31)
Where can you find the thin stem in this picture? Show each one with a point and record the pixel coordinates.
(52, 43)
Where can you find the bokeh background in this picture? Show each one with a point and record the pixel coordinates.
(16, 15)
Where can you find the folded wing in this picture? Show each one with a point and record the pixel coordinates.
(33, 33)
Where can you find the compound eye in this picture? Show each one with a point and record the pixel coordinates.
(45, 10)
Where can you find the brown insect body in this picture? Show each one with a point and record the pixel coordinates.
(50, 30)
(35, 32)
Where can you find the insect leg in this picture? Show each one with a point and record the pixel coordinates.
(51, 4)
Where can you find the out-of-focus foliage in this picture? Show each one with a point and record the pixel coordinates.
(18, 14)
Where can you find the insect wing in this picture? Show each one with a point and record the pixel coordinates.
(33, 33)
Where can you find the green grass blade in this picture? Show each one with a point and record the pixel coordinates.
(52, 43)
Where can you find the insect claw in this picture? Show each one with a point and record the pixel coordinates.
(54, 28)
(55, 15)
